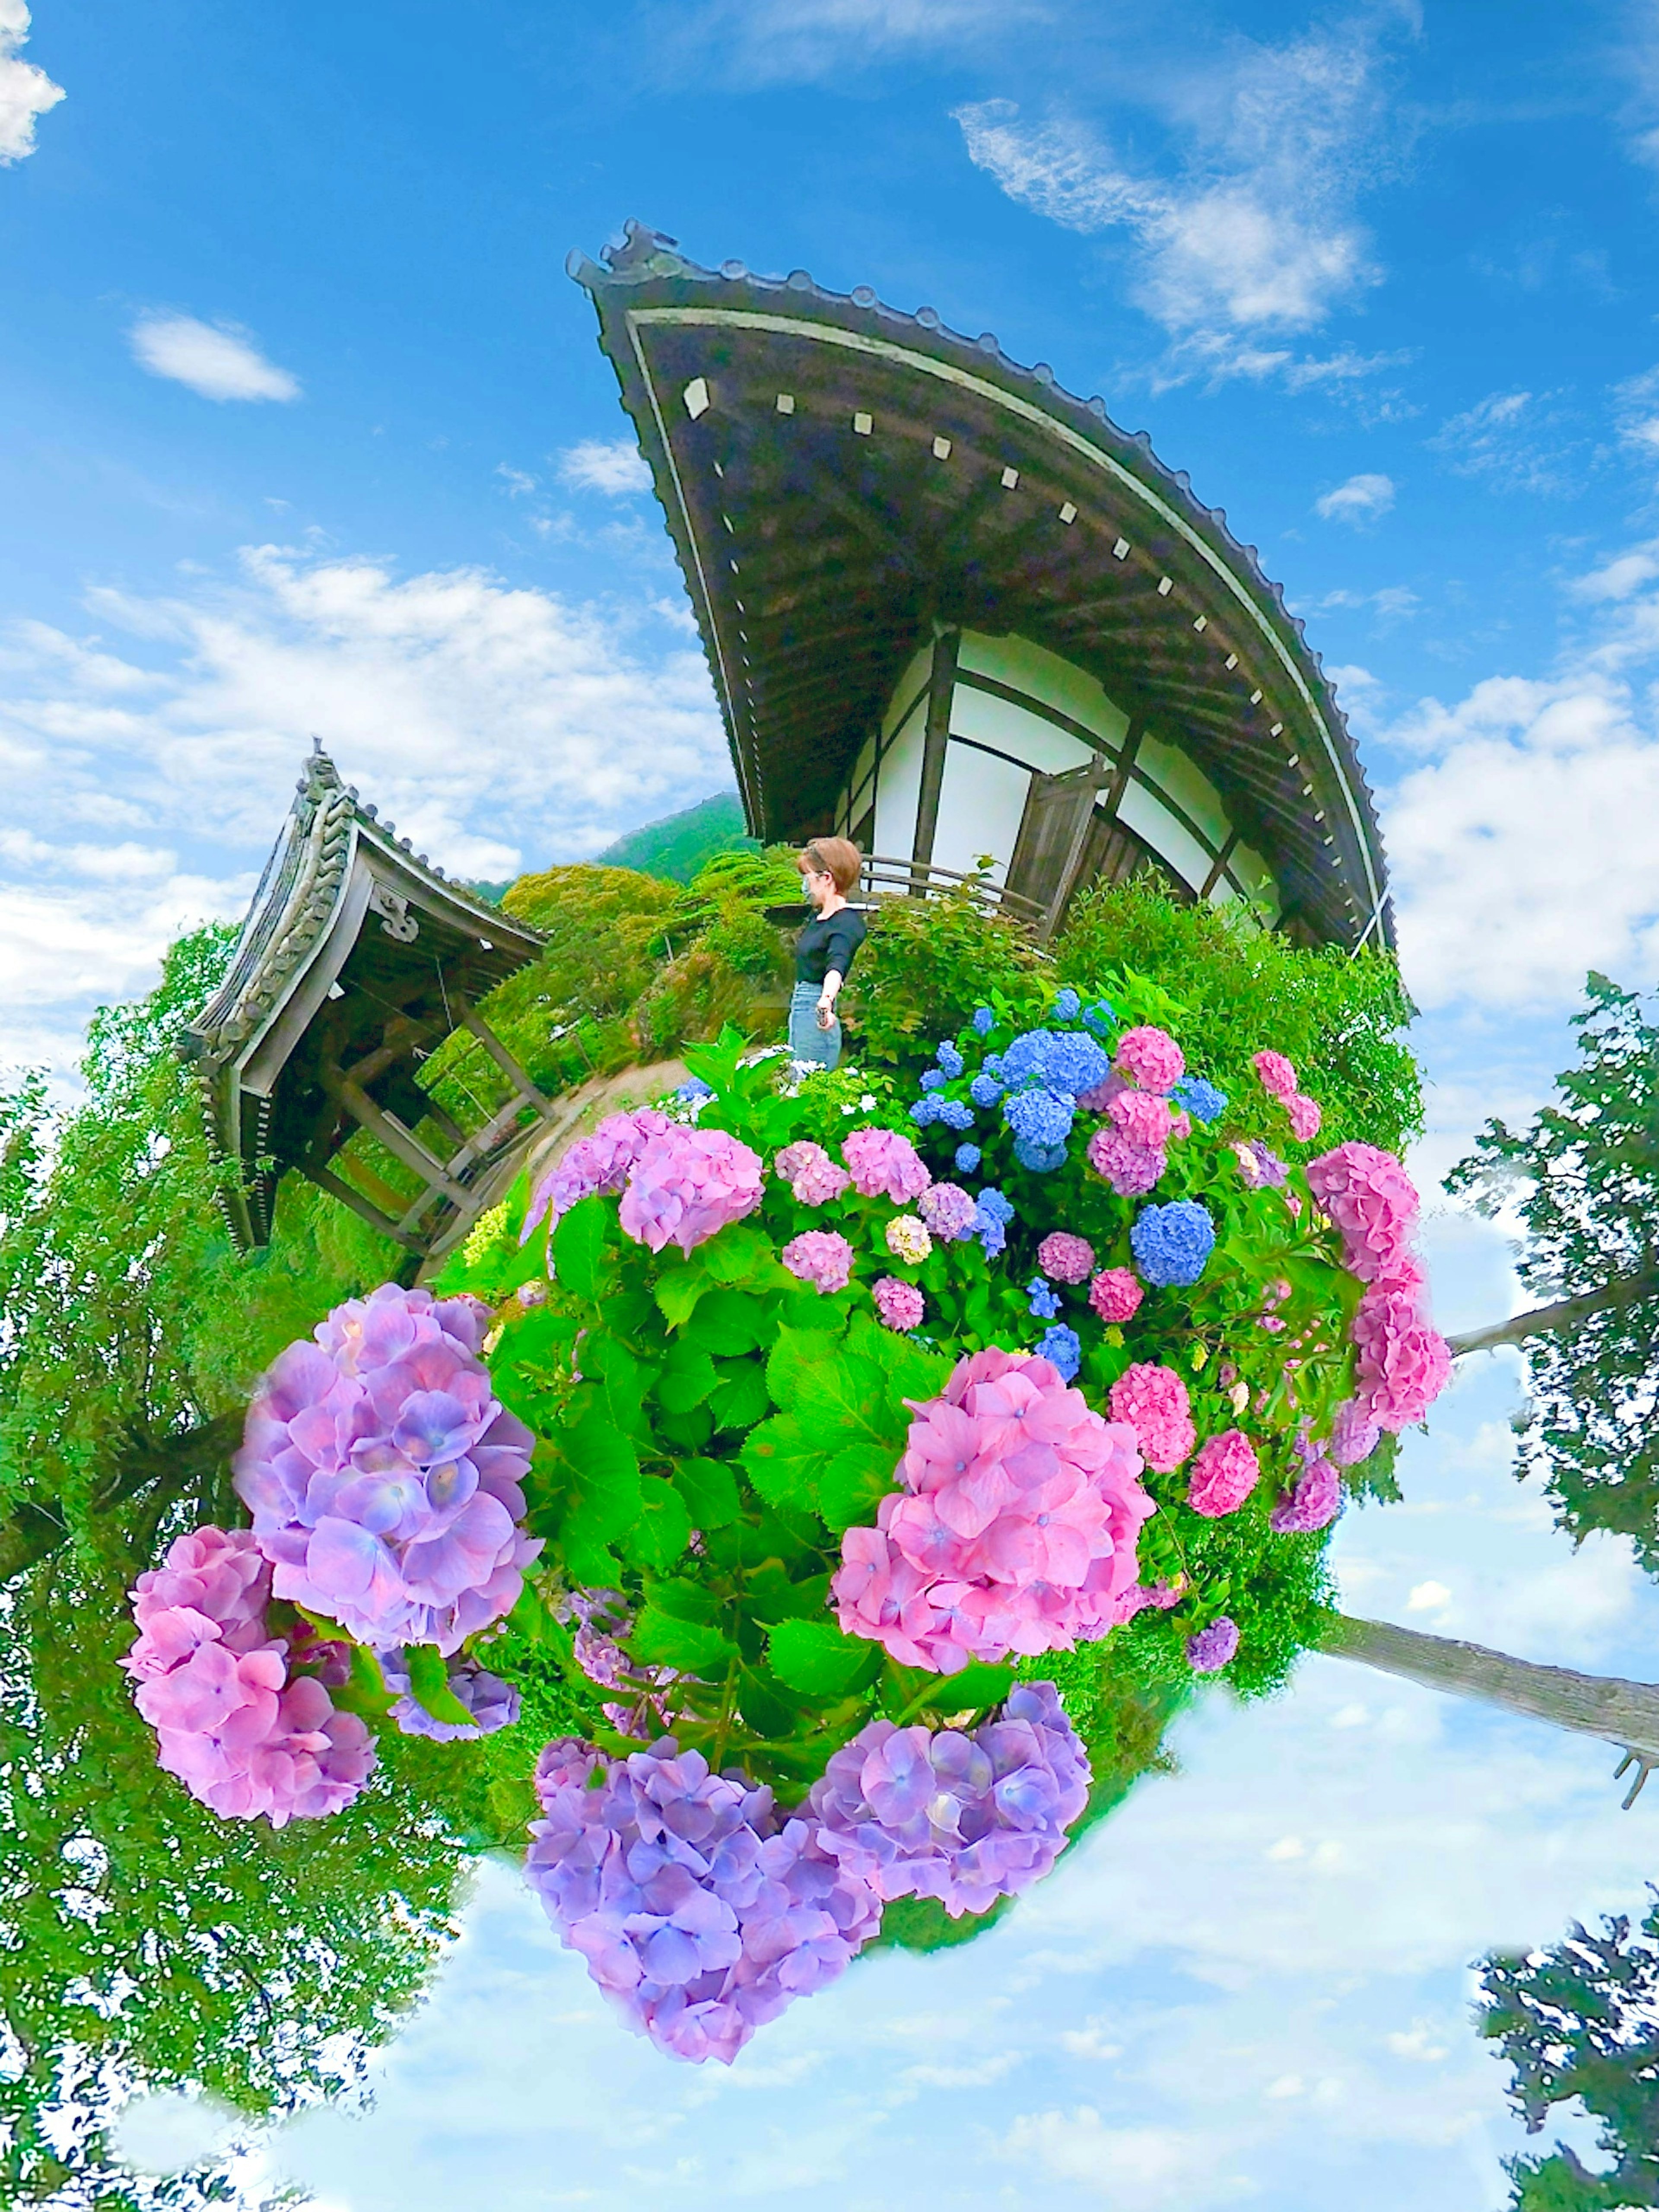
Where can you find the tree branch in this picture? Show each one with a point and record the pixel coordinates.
(168, 1467)
(1565, 1313)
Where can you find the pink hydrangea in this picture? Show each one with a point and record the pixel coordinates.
(1305, 1117)
(243, 1738)
(1144, 1118)
(687, 1185)
(1224, 1475)
(1015, 1530)
(821, 1257)
(1402, 1362)
(900, 1305)
(1115, 1294)
(1277, 1075)
(1150, 1058)
(949, 1211)
(810, 1174)
(1064, 1258)
(885, 1164)
(593, 1165)
(1131, 1170)
(1373, 1202)
(1158, 1596)
(1152, 1401)
(383, 1477)
(1099, 1095)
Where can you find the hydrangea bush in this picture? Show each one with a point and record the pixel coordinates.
(820, 1440)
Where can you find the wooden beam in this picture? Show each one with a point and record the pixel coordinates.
(941, 690)
(529, 1094)
(402, 1143)
(1221, 860)
(336, 1187)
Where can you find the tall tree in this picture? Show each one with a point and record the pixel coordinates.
(1582, 2020)
(1584, 1177)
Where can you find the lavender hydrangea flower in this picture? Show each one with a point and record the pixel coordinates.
(966, 1818)
(492, 1703)
(700, 1912)
(948, 1211)
(1172, 1244)
(1201, 1099)
(1213, 1648)
(1044, 1303)
(1061, 1347)
(967, 1158)
(1316, 1498)
(382, 1476)
(950, 1060)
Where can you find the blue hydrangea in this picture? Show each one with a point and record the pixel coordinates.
(984, 1020)
(992, 1238)
(1059, 1346)
(1201, 1099)
(1026, 1059)
(926, 1111)
(1066, 1004)
(954, 1112)
(1044, 1303)
(950, 1060)
(1076, 1063)
(935, 1079)
(1100, 1016)
(1172, 1244)
(992, 1064)
(1041, 1159)
(985, 1090)
(967, 1159)
(1040, 1117)
(992, 1206)
(992, 1214)
(693, 1089)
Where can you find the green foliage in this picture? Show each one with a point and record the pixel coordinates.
(1240, 988)
(1580, 2022)
(926, 962)
(681, 844)
(1584, 1177)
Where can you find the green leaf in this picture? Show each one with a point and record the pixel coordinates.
(976, 1687)
(735, 1254)
(792, 1361)
(741, 1399)
(366, 1693)
(912, 1371)
(683, 1600)
(578, 1246)
(814, 1656)
(677, 1292)
(710, 1491)
(603, 1490)
(687, 1378)
(727, 1322)
(784, 1462)
(429, 1685)
(852, 1482)
(664, 1527)
(660, 1640)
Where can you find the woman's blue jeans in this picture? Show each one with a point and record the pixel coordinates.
(806, 1040)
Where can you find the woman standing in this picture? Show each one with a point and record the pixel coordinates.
(825, 949)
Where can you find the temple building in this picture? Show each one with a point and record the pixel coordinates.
(956, 614)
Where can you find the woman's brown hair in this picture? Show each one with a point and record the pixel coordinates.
(834, 856)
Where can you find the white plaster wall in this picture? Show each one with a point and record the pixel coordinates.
(899, 789)
(1149, 819)
(1013, 730)
(1044, 675)
(1173, 771)
(914, 679)
(981, 803)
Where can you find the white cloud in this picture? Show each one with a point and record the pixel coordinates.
(1428, 1597)
(218, 360)
(1618, 578)
(615, 467)
(26, 92)
(1259, 231)
(798, 41)
(1516, 441)
(1128, 2166)
(495, 725)
(1361, 499)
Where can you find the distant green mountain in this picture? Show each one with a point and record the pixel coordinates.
(678, 845)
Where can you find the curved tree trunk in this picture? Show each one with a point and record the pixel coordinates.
(1565, 1313)
(1621, 1712)
(193, 1460)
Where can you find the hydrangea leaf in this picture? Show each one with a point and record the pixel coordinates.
(710, 1490)
(677, 1292)
(847, 1397)
(429, 1685)
(784, 1460)
(688, 1376)
(664, 1525)
(726, 1322)
(683, 1600)
(912, 1370)
(765, 1705)
(736, 1255)
(976, 1687)
(790, 1364)
(854, 1481)
(742, 1398)
(578, 1245)
(603, 1491)
(660, 1640)
(366, 1693)
(813, 1655)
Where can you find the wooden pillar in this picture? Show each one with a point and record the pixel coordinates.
(528, 1095)
(941, 689)
(337, 1186)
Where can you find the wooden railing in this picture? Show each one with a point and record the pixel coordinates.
(881, 878)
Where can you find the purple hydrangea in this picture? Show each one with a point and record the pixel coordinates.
(948, 1211)
(1213, 1648)
(1354, 1434)
(701, 1914)
(1044, 1301)
(950, 1060)
(492, 1703)
(985, 1090)
(967, 1158)
(1201, 1099)
(382, 1476)
(1172, 1244)
(963, 1818)
(1314, 1502)
(593, 1165)
(1061, 1347)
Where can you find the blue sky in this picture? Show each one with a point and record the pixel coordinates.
(303, 429)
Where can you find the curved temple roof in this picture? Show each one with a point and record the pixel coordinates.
(836, 476)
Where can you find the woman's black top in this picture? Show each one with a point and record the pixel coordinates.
(824, 944)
